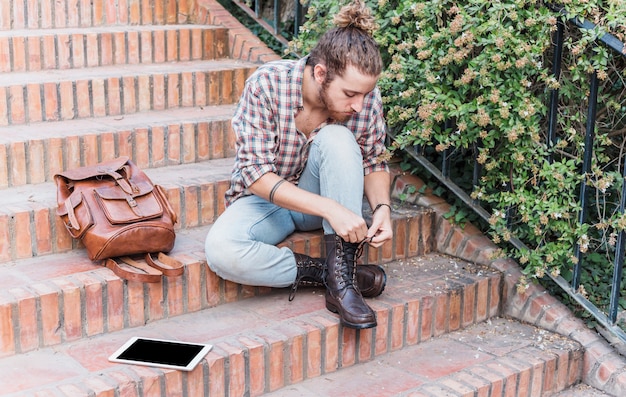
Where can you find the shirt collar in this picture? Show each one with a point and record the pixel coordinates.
(297, 77)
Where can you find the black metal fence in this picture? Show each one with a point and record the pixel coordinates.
(442, 171)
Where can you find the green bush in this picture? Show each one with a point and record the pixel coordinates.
(474, 78)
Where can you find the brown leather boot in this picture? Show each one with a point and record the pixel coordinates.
(371, 279)
(342, 294)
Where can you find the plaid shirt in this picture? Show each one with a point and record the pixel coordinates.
(265, 127)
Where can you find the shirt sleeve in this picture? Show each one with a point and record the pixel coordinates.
(373, 140)
(255, 129)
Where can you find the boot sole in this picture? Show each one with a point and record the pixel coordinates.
(349, 324)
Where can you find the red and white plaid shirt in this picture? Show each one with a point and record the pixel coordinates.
(265, 127)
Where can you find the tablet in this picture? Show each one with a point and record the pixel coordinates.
(161, 353)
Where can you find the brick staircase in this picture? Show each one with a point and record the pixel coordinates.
(84, 81)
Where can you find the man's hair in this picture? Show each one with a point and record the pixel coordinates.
(350, 42)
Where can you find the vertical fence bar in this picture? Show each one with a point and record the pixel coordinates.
(554, 95)
(618, 262)
(276, 16)
(587, 155)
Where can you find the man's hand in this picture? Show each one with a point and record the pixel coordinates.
(380, 231)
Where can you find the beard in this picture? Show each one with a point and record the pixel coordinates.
(333, 113)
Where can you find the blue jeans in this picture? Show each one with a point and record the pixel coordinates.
(241, 245)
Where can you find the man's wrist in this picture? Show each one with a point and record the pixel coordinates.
(381, 205)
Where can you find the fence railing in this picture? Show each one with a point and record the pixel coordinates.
(442, 171)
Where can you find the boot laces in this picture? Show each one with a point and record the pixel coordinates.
(303, 275)
(351, 253)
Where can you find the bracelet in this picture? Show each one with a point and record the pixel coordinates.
(275, 188)
(380, 205)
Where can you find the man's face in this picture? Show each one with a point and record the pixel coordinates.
(344, 95)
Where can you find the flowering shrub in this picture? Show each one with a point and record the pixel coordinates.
(474, 78)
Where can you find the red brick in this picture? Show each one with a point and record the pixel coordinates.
(19, 54)
(134, 57)
(4, 168)
(143, 93)
(236, 369)
(146, 12)
(35, 113)
(175, 304)
(50, 313)
(64, 51)
(173, 91)
(217, 373)
(157, 134)
(187, 88)
(191, 218)
(5, 54)
(189, 143)
(66, 93)
(72, 13)
(482, 299)
(129, 94)
(142, 143)
(159, 101)
(213, 90)
(468, 302)
(173, 383)
(16, 102)
(397, 327)
(83, 98)
(114, 99)
(151, 381)
(28, 335)
(7, 330)
(134, 17)
(216, 138)
(114, 301)
(34, 53)
(135, 304)
(23, 236)
(195, 383)
(202, 151)
(256, 365)
(173, 144)
(98, 97)
(94, 307)
(454, 310)
(200, 89)
(193, 273)
(171, 44)
(184, 45)
(442, 310)
(43, 234)
(79, 56)
(72, 152)
(156, 301)
(89, 144)
(51, 102)
(147, 51)
(54, 156)
(119, 43)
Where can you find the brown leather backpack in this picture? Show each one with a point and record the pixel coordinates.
(116, 211)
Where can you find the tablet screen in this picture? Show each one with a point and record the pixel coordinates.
(161, 353)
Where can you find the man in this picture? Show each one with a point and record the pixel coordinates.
(309, 133)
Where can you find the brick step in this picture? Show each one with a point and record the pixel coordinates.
(71, 48)
(34, 153)
(29, 226)
(268, 342)
(35, 14)
(495, 358)
(51, 299)
(28, 97)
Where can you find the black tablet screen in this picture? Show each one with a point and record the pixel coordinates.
(161, 352)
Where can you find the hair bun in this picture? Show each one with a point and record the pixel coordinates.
(357, 15)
